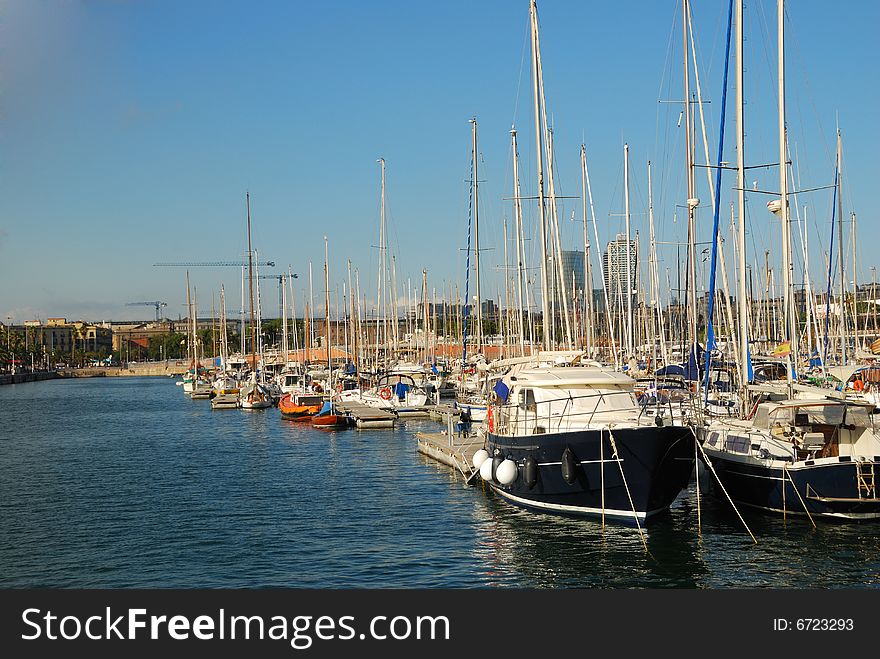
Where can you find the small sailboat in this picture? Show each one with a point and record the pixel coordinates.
(253, 395)
(328, 418)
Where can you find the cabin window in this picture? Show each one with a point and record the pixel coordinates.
(527, 400)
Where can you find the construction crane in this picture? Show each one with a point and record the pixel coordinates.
(213, 264)
(280, 279)
(156, 304)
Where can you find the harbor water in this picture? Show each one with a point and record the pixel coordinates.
(126, 483)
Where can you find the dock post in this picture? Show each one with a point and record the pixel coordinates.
(449, 427)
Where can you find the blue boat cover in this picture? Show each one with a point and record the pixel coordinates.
(502, 390)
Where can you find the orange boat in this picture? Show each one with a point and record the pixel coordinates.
(299, 408)
(327, 418)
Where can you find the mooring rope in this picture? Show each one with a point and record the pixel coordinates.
(787, 474)
(629, 496)
(723, 489)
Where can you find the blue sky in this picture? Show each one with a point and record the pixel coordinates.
(131, 130)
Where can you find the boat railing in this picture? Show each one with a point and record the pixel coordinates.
(532, 414)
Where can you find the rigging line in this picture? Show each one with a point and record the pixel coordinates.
(825, 341)
(710, 330)
(526, 41)
(667, 128)
(809, 95)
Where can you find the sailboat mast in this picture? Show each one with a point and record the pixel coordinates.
(479, 305)
(352, 321)
(629, 275)
(195, 333)
(539, 159)
(285, 347)
(517, 212)
(425, 311)
(691, 195)
(789, 331)
(855, 285)
(841, 311)
(588, 270)
(251, 283)
(224, 339)
(742, 298)
(189, 313)
(327, 308)
(381, 278)
(396, 326)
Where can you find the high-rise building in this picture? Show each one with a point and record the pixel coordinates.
(572, 267)
(614, 266)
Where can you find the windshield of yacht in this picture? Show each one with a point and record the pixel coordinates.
(580, 401)
(831, 415)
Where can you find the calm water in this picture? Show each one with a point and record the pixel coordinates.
(124, 482)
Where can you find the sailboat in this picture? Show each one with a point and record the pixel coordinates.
(200, 386)
(225, 385)
(471, 393)
(253, 395)
(805, 456)
(328, 416)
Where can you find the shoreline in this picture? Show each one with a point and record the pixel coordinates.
(158, 369)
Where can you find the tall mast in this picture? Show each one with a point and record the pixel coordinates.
(196, 332)
(691, 196)
(285, 347)
(292, 310)
(855, 287)
(841, 311)
(190, 322)
(395, 327)
(251, 284)
(479, 305)
(559, 291)
(425, 311)
(224, 339)
(789, 331)
(241, 336)
(517, 212)
(506, 324)
(629, 279)
(351, 318)
(539, 159)
(654, 276)
(213, 326)
(742, 299)
(588, 270)
(381, 301)
(327, 309)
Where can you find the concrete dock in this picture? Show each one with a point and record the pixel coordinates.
(453, 450)
(365, 416)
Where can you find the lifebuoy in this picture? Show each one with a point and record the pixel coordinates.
(490, 419)
(385, 393)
